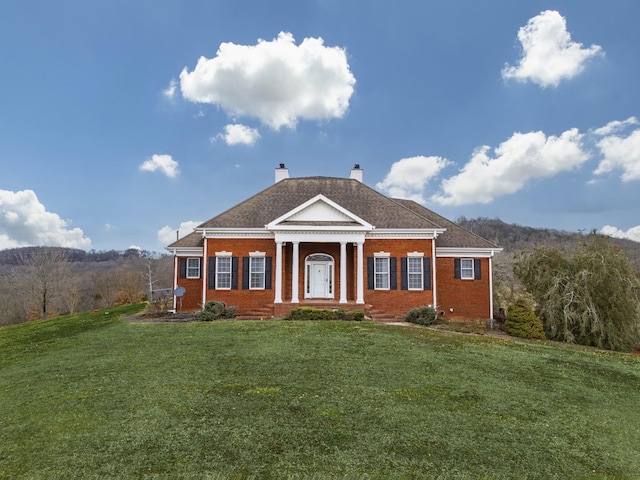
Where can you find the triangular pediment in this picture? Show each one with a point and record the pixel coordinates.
(319, 212)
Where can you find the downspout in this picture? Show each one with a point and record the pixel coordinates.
(433, 273)
(175, 280)
(204, 270)
(491, 287)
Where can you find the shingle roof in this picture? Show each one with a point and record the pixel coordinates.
(365, 202)
(284, 196)
(455, 236)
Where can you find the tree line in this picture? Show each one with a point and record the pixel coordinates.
(40, 282)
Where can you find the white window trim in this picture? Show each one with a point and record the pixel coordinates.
(189, 268)
(387, 256)
(421, 263)
(220, 255)
(261, 255)
(472, 270)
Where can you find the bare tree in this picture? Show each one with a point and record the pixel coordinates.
(40, 280)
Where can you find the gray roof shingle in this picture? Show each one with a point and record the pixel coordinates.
(370, 205)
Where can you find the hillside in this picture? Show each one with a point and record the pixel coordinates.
(90, 396)
(512, 237)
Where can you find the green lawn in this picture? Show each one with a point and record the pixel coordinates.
(90, 396)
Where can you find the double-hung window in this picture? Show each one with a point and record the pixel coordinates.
(223, 273)
(256, 272)
(381, 265)
(466, 269)
(414, 273)
(193, 268)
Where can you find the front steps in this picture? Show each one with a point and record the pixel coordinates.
(280, 310)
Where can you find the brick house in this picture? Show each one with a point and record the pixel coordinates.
(333, 243)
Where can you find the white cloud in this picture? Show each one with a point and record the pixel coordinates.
(24, 221)
(167, 235)
(170, 91)
(631, 234)
(275, 81)
(548, 54)
(623, 153)
(615, 126)
(237, 134)
(518, 160)
(162, 163)
(408, 177)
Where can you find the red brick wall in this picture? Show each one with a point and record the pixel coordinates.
(396, 302)
(470, 299)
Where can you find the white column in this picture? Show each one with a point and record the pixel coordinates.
(278, 298)
(360, 275)
(294, 274)
(343, 272)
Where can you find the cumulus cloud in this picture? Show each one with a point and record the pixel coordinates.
(520, 159)
(167, 235)
(620, 152)
(548, 53)
(24, 221)
(275, 81)
(161, 163)
(237, 134)
(631, 234)
(408, 177)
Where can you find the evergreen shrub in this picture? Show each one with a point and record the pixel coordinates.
(421, 315)
(310, 313)
(215, 310)
(522, 321)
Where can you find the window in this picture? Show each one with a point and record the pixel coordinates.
(381, 265)
(193, 268)
(414, 273)
(466, 269)
(256, 273)
(223, 273)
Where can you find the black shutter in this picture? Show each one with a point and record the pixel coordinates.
(393, 273)
(212, 273)
(267, 272)
(456, 268)
(404, 274)
(183, 268)
(426, 273)
(370, 273)
(245, 273)
(477, 266)
(234, 273)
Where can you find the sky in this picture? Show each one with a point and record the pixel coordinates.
(123, 122)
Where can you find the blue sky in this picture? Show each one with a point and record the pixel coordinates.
(124, 121)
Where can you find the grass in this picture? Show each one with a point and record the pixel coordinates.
(89, 396)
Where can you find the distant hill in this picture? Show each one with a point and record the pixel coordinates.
(513, 237)
(11, 256)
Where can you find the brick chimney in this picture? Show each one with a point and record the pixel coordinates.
(357, 173)
(282, 172)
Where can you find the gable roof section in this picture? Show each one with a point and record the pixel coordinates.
(455, 236)
(320, 212)
(351, 195)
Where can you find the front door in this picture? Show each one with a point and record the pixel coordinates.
(319, 276)
(319, 280)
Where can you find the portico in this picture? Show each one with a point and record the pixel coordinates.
(318, 268)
